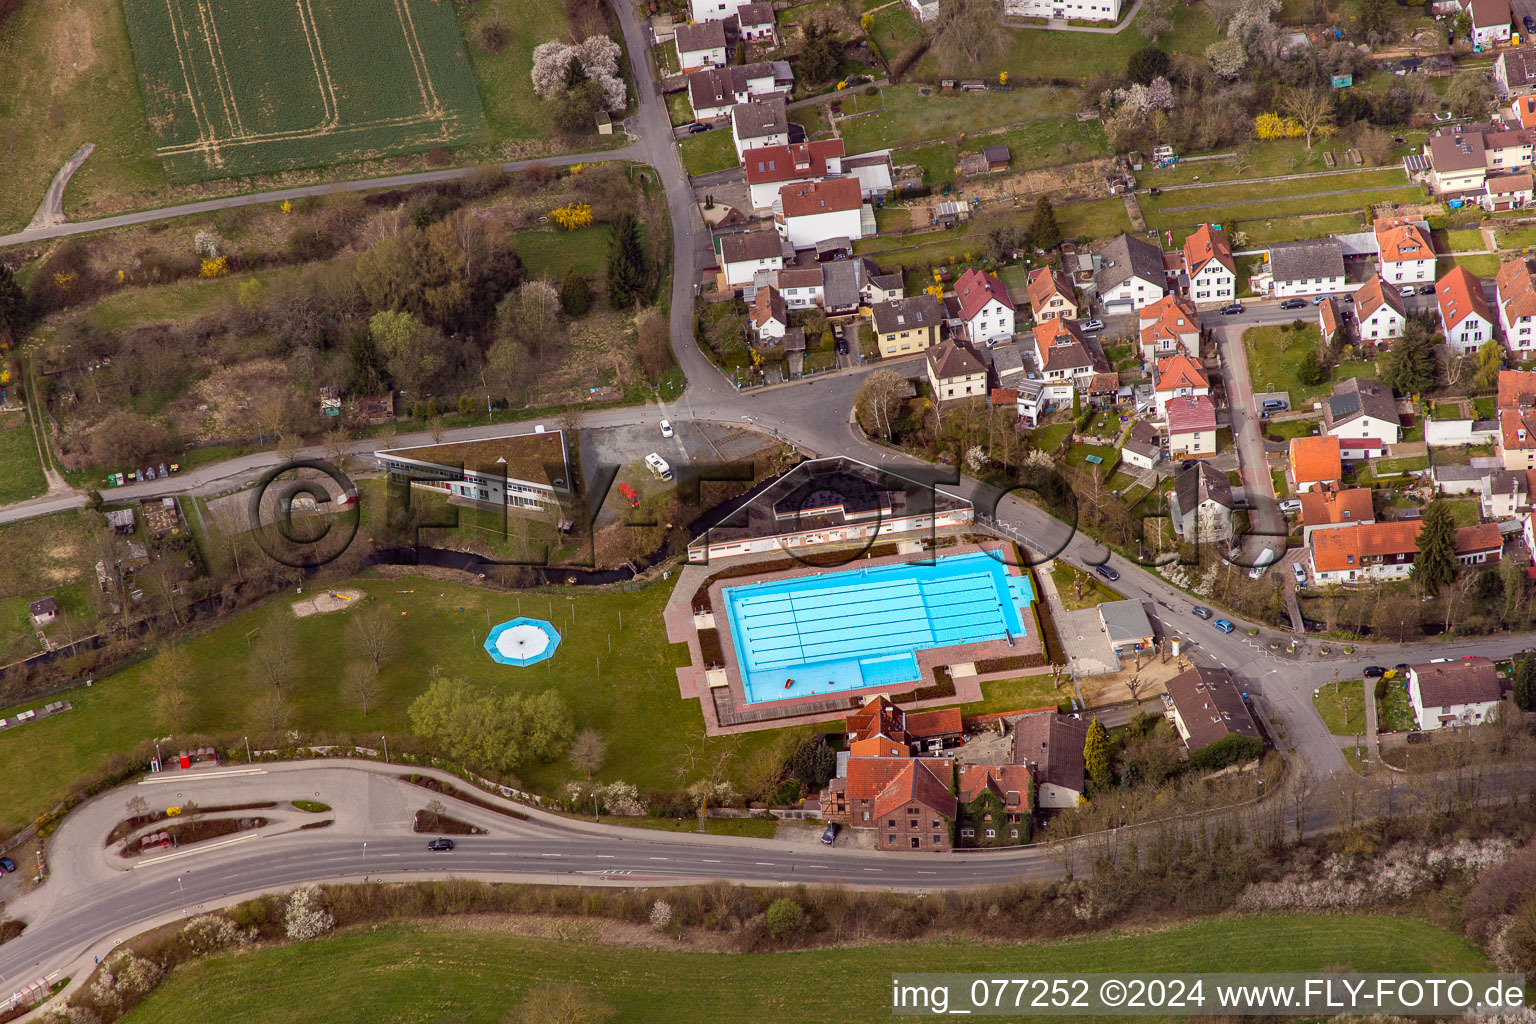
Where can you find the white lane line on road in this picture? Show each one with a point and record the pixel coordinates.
(551, 855)
(603, 856)
(874, 869)
(708, 861)
(494, 853)
(200, 849)
(155, 780)
(656, 858)
(764, 863)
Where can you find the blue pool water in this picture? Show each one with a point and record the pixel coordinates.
(859, 627)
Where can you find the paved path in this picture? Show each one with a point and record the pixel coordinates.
(52, 209)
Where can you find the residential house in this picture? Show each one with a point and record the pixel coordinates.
(770, 319)
(995, 805)
(1209, 266)
(44, 610)
(1504, 192)
(1061, 10)
(1378, 552)
(1191, 427)
(1051, 745)
(742, 256)
(913, 324)
(1515, 290)
(1479, 544)
(1506, 493)
(907, 800)
(1447, 694)
(1130, 275)
(1358, 411)
(1380, 311)
(1034, 400)
(1329, 508)
(713, 10)
(875, 171)
(525, 472)
(1062, 358)
(843, 287)
(759, 123)
(1490, 21)
(700, 46)
(919, 731)
(1407, 254)
(1144, 447)
(714, 91)
(1126, 626)
(881, 287)
(1205, 706)
(1051, 295)
(807, 213)
(802, 287)
(1315, 462)
(1177, 376)
(1465, 318)
(1523, 112)
(1461, 157)
(986, 310)
(1311, 267)
(1007, 362)
(1514, 72)
(955, 371)
(1516, 411)
(1201, 504)
(755, 23)
(770, 168)
(1167, 326)
(1328, 320)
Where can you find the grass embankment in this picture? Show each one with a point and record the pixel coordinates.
(425, 973)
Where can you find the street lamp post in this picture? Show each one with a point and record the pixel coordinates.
(593, 794)
(182, 891)
(365, 860)
(386, 748)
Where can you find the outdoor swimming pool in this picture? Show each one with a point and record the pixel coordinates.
(859, 627)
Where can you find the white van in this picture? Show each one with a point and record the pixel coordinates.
(658, 466)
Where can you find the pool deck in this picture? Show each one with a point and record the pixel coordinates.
(725, 707)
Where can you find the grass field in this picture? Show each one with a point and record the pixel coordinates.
(409, 973)
(708, 151)
(234, 89)
(1394, 713)
(1218, 194)
(21, 473)
(1274, 357)
(907, 116)
(1291, 229)
(1221, 209)
(1482, 264)
(631, 697)
(1342, 707)
(551, 253)
(1067, 580)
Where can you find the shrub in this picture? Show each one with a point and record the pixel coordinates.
(661, 915)
(1230, 749)
(784, 917)
(306, 917)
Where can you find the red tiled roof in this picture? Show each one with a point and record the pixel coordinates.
(829, 196)
(1321, 508)
(1046, 283)
(1194, 412)
(1349, 546)
(1504, 184)
(1373, 295)
(1003, 396)
(938, 722)
(1460, 294)
(975, 289)
(1516, 289)
(1013, 782)
(791, 163)
(1204, 244)
(1210, 706)
(1513, 384)
(1180, 371)
(1444, 684)
(878, 746)
(1170, 318)
(1315, 459)
(769, 305)
(916, 783)
(1054, 333)
(1479, 537)
(1328, 315)
(867, 777)
(1402, 242)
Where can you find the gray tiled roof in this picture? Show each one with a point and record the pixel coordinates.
(1305, 260)
(1127, 257)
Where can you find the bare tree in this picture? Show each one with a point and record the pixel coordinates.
(560, 1002)
(289, 445)
(373, 633)
(137, 807)
(589, 750)
(1312, 108)
(172, 707)
(362, 684)
(274, 650)
(436, 428)
(270, 711)
(882, 390)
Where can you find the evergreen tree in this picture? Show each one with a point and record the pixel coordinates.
(1146, 64)
(1310, 371)
(368, 368)
(626, 263)
(1374, 17)
(1490, 359)
(575, 296)
(1096, 753)
(1435, 564)
(821, 54)
(1409, 368)
(575, 74)
(13, 303)
(1044, 232)
(1525, 683)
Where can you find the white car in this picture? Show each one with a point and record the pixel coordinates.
(1290, 506)
(1299, 572)
(666, 428)
(658, 466)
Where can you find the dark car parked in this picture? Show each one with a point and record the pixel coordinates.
(830, 835)
(1294, 304)
(440, 845)
(1374, 671)
(1232, 310)
(697, 127)
(1107, 572)
(7, 865)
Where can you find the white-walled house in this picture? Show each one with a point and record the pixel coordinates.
(743, 255)
(1130, 275)
(986, 309)
(1515, 288)
(1051, 295)
(759, 123)
(714, 10)
(700, 46)
(1465, 318)
(756, 23)
(808, 213)
(1167, 326)
(1450, 693)
(1209, 266)
(955, 371)
(1380, 311)
(770, 168)
(1490, 21)
(1177, 376)
(712, 92)
(1059, 10)
(1311, 267)
(1360, 409)
(1407, 254)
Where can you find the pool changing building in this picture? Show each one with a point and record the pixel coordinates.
(834, 500)
(527, 472)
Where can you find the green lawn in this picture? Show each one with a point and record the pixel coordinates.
(708, 151)
(1049, 438)
(1483, 265)
(177, 301)
(1274, 354)
(1277, 478)
(21, 469)
(1290, 428)
(551, 253)
(1067, 578)
(907, 116)
(1342, 707)
(1254, 160)
(1464, 238)
(1291, 229)
(1395, 713)
(894, 30)
(1043, 53)
(1465, 512)
(1381, 468)
(1016, 695)
(1078, 454)
(417, 973)
(1515, 238)
(937, 162)
(631, 697)
(1044, 143)
(678, 108)
(1102, 218)
(1218, 208)
(1219, 194)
